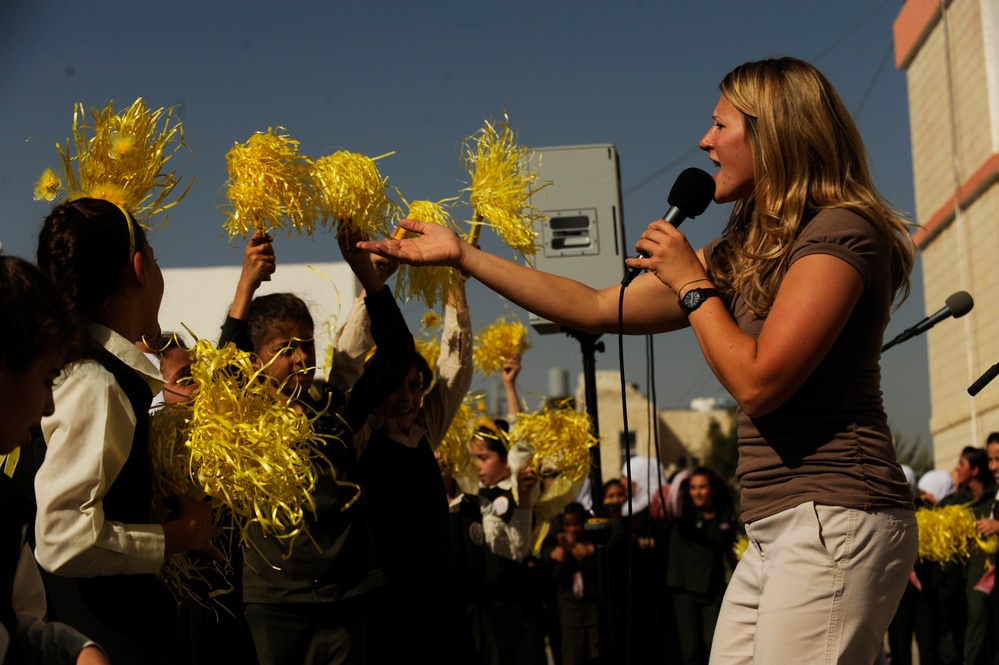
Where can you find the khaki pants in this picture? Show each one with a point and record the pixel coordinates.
(817, 584)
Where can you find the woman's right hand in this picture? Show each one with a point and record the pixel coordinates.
(436, 245)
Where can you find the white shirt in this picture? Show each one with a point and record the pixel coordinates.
(88, 440)
(42, 642)
(510, 540)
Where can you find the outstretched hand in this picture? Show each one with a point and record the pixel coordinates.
(436, 245)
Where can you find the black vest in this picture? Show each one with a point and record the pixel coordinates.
(131, 616)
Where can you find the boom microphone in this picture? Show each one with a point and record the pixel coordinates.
(957, 305)
(690, 196)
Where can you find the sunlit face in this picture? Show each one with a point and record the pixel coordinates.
(993, 452)
(615, 495)
(152, 295)
(26, 397)
(701, 493)
(288, 355)
(572, 525)
(492, 467)
(727, 147)
(403, 404)
(963, 470)
(175, 364)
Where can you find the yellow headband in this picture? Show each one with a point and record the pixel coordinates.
(131, 232)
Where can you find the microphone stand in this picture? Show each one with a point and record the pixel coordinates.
(983, 380)
(598, 531)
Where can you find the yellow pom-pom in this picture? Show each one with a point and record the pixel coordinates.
(502, 186)
(740, 546)
(246, 450)
(269, 183)
(121, 158)
(428, 283)
(946, 533)
(497, 342)
(353, 193)
(453, 450)
(430, 349)
(561, 438)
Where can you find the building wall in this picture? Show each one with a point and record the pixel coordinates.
(951, 60)
(683, 433)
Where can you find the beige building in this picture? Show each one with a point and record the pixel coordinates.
(949, 51)
(683, 433)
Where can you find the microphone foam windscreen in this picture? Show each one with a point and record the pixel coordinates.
(692, 192)
(960, 303)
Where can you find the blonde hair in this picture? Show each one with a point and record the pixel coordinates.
(808, 156)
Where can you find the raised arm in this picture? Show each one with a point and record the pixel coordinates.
(259, 264)
(510, 370)
(649, 306)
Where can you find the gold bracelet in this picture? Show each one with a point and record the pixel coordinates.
(702, 279)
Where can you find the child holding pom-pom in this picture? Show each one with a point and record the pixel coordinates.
(94, 530)
(304, 605)
(420, 611)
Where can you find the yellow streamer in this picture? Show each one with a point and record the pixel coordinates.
(561, 438)
(502, 185)
(949, 533)
(429, 283)
(352, 193)
(270, 187)
(120, 158)
(495, 343)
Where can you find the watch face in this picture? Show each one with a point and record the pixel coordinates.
(691, 300)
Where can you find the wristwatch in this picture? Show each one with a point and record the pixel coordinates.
(693, 298)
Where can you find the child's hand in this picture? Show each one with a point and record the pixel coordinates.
(558, 554)
(384, 267)
(259, 262)
(988, 527)
(511, 368)
(360, 262)
(258, 266)
(581, 551)
(526, 480)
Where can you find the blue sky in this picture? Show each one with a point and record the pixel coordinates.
(418, 77)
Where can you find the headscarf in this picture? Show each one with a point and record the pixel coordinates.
(646, 478)
(938, 483)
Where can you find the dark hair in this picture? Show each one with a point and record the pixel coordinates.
(574, 508)
(978, 460)
(167, 340)
(35, 318)
(722, 500)
(992, 438)
(492, 441)
(612, 483)
(83, 247)
(274, 310)
(423, 368)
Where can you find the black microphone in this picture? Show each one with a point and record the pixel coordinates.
(957, 305)
(690, 196)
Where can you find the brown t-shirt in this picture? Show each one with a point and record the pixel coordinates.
(829, 442)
